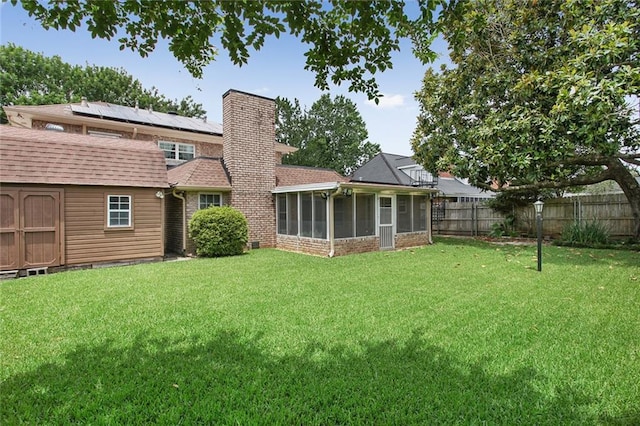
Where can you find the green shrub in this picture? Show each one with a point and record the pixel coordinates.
(586, 233)
(219, 231)
(504, 228)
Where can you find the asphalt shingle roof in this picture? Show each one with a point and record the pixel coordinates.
(201, 172)
(49, 157)
(384, 168)
(287, 175)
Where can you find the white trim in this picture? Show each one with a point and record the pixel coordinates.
(367, 187)
(119, 210)
(307, 187)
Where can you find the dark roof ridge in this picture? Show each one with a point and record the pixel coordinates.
(393, 168)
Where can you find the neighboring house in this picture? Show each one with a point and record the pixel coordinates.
(402, 170)
(70, 200)
(303, 209)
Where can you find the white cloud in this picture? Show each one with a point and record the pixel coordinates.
(387, 101)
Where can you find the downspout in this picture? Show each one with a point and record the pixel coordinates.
(184, 220)
(331, 227)
(332, 250)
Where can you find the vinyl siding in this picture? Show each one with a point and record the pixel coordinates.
(88, 240)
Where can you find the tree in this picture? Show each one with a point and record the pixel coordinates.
(28, 78)
(543, 95)
(331, 134)
(349, 40)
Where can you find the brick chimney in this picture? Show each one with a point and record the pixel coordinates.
(248, 123)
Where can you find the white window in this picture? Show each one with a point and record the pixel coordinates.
(209, 200)
(119, 211)
(177, 151)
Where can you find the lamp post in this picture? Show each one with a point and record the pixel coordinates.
(538, 205)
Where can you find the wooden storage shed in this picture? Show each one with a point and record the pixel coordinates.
(70, 199)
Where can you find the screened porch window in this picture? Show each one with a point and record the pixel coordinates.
(319, 217)
(343, 215)
(306, 214)
(355, 215)
(292, 214)
(403, 215)
(419, 213)
(303, 214)
(282, 213)
(411, 213)
(365, 215)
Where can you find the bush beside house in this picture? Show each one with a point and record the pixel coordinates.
(219, 231)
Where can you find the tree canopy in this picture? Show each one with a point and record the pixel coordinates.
(539, 96)
(330, 134)
(349, 41)
(542, 95)
(29, 78)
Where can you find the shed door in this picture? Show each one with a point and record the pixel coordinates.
(9, 230)
(40, 221)
(30, 229)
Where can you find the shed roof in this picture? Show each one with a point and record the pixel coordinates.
(287, 175)
(48, 157)
(200, 173)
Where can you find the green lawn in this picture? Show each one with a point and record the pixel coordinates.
(458, 332)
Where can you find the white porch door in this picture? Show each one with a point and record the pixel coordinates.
(386, 222)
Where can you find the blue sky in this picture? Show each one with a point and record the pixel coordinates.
(276, 70)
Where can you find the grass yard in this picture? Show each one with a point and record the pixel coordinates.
(460, 332)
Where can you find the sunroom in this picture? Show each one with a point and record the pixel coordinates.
(337, 218)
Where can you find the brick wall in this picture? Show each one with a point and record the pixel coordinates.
(303, 245)
(249, 155)
(356, 245)
(411, 239)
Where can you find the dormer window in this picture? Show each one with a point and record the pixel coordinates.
(177, 151)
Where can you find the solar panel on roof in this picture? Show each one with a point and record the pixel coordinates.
(144, 116)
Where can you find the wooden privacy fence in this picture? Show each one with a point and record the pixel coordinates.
(476, 218)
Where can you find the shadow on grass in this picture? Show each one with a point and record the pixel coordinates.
(230, 380)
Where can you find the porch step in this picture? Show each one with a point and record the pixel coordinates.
(37, 271)
(5, 275)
